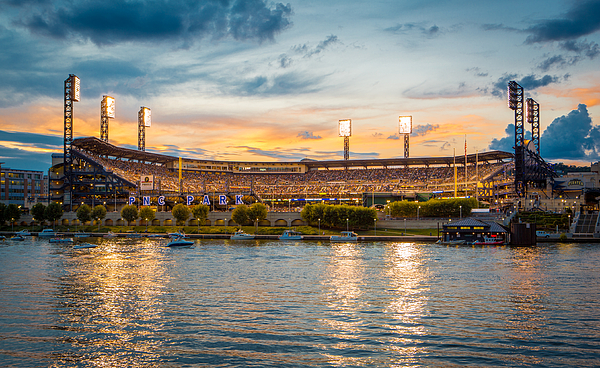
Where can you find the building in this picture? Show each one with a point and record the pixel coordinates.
(22, 187)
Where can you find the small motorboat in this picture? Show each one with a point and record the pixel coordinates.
(46, 233)
(82, 235)
(133, 235)
(180, 242)
(489, 241)
(451, 242)
(110, 235)
(156, 236)
(24, 232)
(61, 240)
(17, 238)
(178, 234)
(84, 246)
(290, 235)
(345, 236)
(241, 235)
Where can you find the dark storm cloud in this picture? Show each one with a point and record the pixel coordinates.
(581, 20)
(39, 140)
(529, 82)
(582, 50)
(571, 136)
(109, 22)
(507, 143)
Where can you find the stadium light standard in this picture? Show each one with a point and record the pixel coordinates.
(405, 128)
(144, 120)
(345, 130)
(107, 111)
(72, 94)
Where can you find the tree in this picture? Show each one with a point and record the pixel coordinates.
(53, 212)
(181, 213)
(129, 213)
(84, 213)
(240, 215)
(148, 215)
(38, 212)
(99, 213)
(13, 212)
(200, 212)
(257, 211)
(2, 213)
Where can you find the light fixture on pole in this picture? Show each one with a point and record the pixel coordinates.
(345, 130)
(107, 111)
(405, 128)
(72, 94)
(144, 120)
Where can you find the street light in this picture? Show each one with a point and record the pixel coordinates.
(460, 207)
(404, 226)
(375, 220)
(319, 226)
(347, 224)
(418, 208)
(256, 231)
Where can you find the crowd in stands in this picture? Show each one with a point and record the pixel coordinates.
(315, 182)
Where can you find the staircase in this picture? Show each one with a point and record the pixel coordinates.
(585, 224)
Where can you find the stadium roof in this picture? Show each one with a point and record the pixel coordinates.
(100, 147)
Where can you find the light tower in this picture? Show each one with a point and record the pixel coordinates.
(144, 120)
(515, 102)
(533, 118)
(405, 127)
(107, 111)
(72, 94)
(345, 130)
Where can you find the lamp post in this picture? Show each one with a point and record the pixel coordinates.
(319, 226)
(418, 208)
(388, 207)
(347, 224)
(404, 226)
(375, 221)
(460, 207)
(256, 230)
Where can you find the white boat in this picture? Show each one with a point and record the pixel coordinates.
(451, 242)
(180, 242)
(179, 234)
(290, 235)
(84, 246)
(46, 233)
(61, 240)
(23, 233)
(346, 236)
(110, 235)
(489, 241)
(241, 235)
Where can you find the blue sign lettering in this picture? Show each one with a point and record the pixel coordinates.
(223, 200)
(131, 200)
(239, 199)
(190, 199)
(161, 200)
(206, 200)
(146, 200)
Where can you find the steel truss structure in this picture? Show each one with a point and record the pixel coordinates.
(406, 145)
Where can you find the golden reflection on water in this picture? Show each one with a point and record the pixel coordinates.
(112, 297)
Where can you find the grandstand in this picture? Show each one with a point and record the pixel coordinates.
(104, 173)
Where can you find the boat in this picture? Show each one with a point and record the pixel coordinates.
(82, 235)
(110, 235)
(2, 237)
(346, 236)
(133, 235)
(61, 240)
(23, 233)
(84, 246)
(241, 235)
(489, 241)
(156, 236)
(290, 235)
(178, 234)
(46, 233)
(17, 238)
(452, 242)
(180, 242)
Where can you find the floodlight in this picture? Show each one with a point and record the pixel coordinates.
(345, 128)
(515, 95)
(109, 106)
(75, 89)
(405, 124)
(147, 116)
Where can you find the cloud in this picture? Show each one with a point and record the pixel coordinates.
(421, 130)
(308, 135)
(528, 82)
(285, 84)
(395, 136)
(582, 50)
(426, 30)
(322, 46)
(571, 136)
(507, 143)
(34, 149)
(110, 22)
(581, 20)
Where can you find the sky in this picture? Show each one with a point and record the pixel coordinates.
(254, 80)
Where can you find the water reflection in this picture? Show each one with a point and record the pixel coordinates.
(408, 285)
(110, 299)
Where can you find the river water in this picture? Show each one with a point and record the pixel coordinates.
(136, 303)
